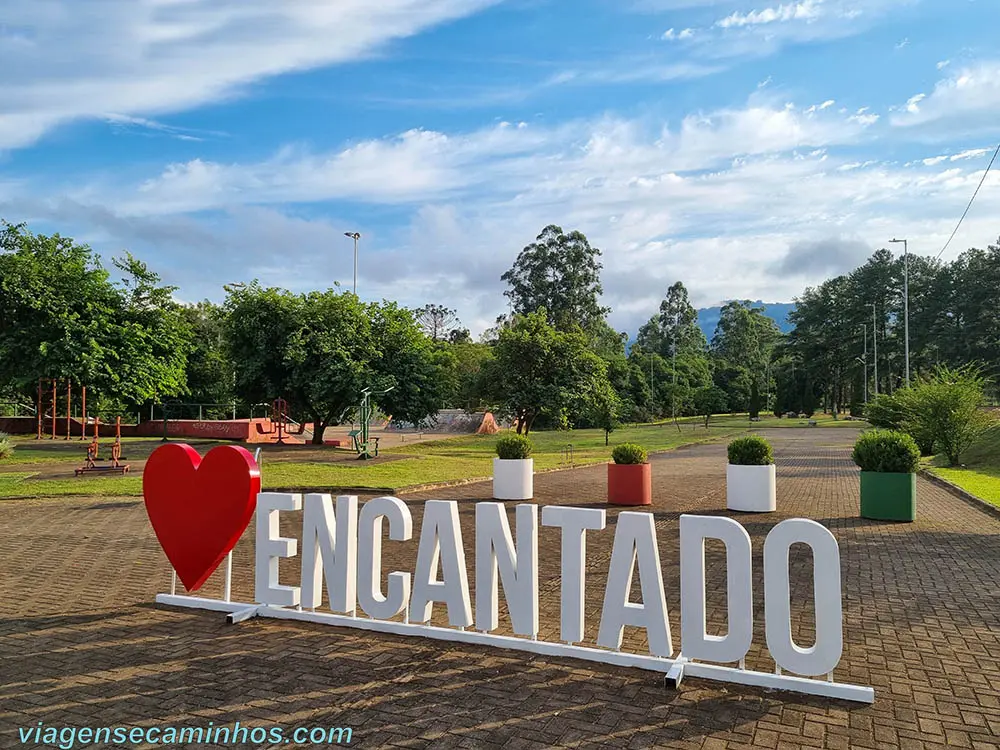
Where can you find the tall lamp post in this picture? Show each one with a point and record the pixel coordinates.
(875, 345)
(906, 306)
(355, 236)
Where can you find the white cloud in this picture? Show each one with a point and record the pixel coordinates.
(671, 35)
(943, 64)
(147, 57)
(967, 100)
(807, 10)
(716, 200)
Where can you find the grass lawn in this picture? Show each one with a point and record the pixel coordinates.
(980, 470)
(41, 469)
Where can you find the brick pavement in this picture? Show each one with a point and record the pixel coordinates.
(81, 643)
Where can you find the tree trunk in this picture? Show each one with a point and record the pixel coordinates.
(318, 428)
(528, 423)
(607, 435)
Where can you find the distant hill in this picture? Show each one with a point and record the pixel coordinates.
(708, 318)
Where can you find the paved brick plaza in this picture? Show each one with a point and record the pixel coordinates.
(81, 644)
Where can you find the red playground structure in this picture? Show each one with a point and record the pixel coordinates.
(93, 453)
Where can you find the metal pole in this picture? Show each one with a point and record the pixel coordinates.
(906, 308)
(69, 403)
(39, 435)
(864, 362)
(83, 420)
(650, 386)
(875, 345)
(355, 264)
(53, 408)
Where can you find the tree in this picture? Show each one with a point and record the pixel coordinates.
(315, 350)
(710, 400)
(61, 316)
(437, 321)
(405, 362)
(674, 329)
(537, 369)
(743, 344)
(459, 366)
(560, 273)
(209, 370)
(605, 408)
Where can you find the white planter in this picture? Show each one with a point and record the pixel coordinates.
(513, 478)
(750, 488)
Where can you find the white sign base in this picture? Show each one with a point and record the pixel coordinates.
(673, 669)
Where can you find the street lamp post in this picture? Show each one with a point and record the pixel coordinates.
(875, 346)
(355, 236)
(906, 306)
(864, 360)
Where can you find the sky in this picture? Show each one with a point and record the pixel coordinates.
(749, 148)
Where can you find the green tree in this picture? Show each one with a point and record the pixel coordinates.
(209, 369)
(406, 362)
(62, 316)
(743, 345)
(560, 273)
(710, 400)
(538, 370)
(316, 350)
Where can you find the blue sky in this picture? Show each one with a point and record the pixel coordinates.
(749, 148)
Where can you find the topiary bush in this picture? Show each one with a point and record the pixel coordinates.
(6, 445)
(629, 453)
(887, 451)
(514, 447)
(751, 450)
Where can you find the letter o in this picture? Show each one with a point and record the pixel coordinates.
(825, 653)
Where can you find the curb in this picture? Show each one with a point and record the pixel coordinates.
(954, 489)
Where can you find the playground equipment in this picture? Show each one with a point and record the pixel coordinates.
(279, 415)
(43, 386)
(93, 452)
(363, 442)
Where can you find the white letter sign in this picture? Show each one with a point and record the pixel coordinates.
(698, 644)
(825, 653)
(518, 567)
(574, 523)
(321, 556)
(271, 547)
(370, 595)
(342, 548)
(635, 539)
(441, 539)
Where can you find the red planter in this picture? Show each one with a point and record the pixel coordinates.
(630, 484)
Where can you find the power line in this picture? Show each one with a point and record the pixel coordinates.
(970, 203)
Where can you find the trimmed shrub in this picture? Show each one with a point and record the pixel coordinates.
(750, 450)
(513, 447)
(888, 451)
(629, 453)
(6, 446)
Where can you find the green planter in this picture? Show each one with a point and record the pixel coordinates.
(888, 497)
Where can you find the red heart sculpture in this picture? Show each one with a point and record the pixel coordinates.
(199, 508)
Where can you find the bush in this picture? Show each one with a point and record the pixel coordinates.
(6, 446)
(751, 450)
(629, 453)
(947, 411)
(888, 451)
(512, 447)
